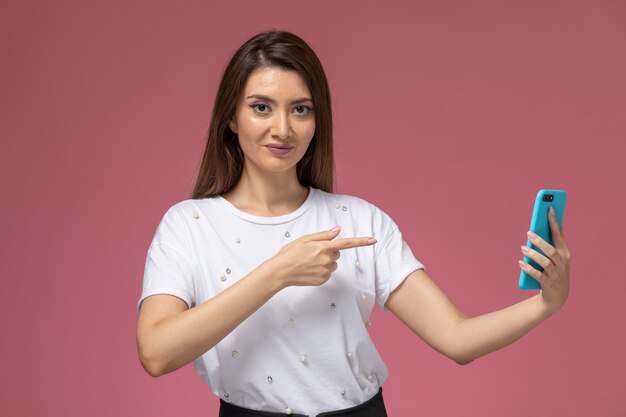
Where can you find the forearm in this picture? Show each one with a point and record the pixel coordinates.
(477, 336)
(180, 339)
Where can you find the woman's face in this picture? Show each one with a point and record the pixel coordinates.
(275, 110)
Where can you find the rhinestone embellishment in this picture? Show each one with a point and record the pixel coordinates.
(235, 354)
(287, 234)
(196, 215)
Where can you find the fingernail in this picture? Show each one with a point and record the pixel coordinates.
(372, 240)
(551, 210)
(336, 228)
(530, 234)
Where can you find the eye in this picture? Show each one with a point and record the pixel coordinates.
(259, 107)
(303, 110)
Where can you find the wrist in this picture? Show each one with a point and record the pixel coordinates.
(273, 272)
(546, 308)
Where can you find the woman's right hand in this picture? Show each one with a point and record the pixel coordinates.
(312, 258)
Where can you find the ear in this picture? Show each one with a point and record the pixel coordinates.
(233, 125)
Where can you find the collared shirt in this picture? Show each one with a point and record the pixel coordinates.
(308, 349)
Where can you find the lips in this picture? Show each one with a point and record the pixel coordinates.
(278, 151)
(278, 146)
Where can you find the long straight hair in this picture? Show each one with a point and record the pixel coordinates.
(222, 163)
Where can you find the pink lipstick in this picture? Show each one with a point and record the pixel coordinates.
(279, 149)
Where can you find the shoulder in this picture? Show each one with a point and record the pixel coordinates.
(184, 210)
(172, 214)
(345, 200)
(177, 217)
(359, 208)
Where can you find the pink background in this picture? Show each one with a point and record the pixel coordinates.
(450, 115)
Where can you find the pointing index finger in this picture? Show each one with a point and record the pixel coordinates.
(351, 242)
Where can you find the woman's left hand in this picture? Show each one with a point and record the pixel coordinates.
(554, 278)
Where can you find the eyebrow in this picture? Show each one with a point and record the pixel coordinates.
(271, 100)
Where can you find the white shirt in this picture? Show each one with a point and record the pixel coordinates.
(308, 348)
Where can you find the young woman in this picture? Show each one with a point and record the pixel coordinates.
(252, 282)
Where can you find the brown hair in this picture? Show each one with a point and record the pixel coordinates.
(222, 162)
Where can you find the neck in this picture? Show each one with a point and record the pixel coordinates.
(274, 194)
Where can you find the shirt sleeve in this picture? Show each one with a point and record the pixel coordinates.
(169, 268)
(394, 260)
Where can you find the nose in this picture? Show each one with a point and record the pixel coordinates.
(281, 125)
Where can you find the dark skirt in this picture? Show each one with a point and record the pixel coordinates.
(374, 407)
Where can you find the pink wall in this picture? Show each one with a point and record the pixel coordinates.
(449, 116)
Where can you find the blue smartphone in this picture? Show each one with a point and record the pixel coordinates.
(540, 226)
